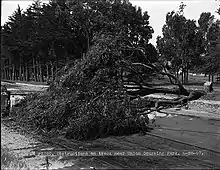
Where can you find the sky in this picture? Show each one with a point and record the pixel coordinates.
(157, 10)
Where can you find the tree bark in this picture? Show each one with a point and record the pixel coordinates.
(146, 90)
(37, 69)
(182, 77)
(13, 71)
(48, 76)
(3, 73)
(52, 71)
(6, 73)
(20, 72)
(41, 74)
(10, 73)
(187, 75)
(34, 70)
(23, 72)
(27, 73)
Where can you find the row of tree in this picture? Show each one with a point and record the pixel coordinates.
(191, 46)
(38, 42)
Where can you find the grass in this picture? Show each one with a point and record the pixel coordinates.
(9, 161)
(197, 80)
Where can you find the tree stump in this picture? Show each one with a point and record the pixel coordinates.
(208, 87)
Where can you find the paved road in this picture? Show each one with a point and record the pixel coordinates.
(202, 132)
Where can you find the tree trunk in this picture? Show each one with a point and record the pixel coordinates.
(185, 76)
(52, 71)
(187, 73)
(143, 90)
(23, 72)
(182, 75)
(212, 78)
(27, 73)
(48, 76)
(10, 73)
(177, 74)
(41, 75)
(20, 72)
(209, 77)
(13, 71)
(3, 73)
(6, 73)
(37, 69)
(34, 70)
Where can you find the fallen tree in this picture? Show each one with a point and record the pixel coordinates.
(146, 90)
(91, 99)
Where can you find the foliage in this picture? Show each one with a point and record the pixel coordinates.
(210, 29)
(88, 100)
(83, 112)
(189, 46)
(55, 34)
(181, 43)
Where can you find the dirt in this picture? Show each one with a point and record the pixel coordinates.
(24, 148)
(21, 146)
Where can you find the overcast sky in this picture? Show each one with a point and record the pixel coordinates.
(157, 9)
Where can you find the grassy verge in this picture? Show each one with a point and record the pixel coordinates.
(9, 161)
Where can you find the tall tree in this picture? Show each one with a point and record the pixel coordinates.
(54, 34)
(210, 29)
(180, 43)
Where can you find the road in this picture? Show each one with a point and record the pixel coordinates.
(202, 131)
(197, 131)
